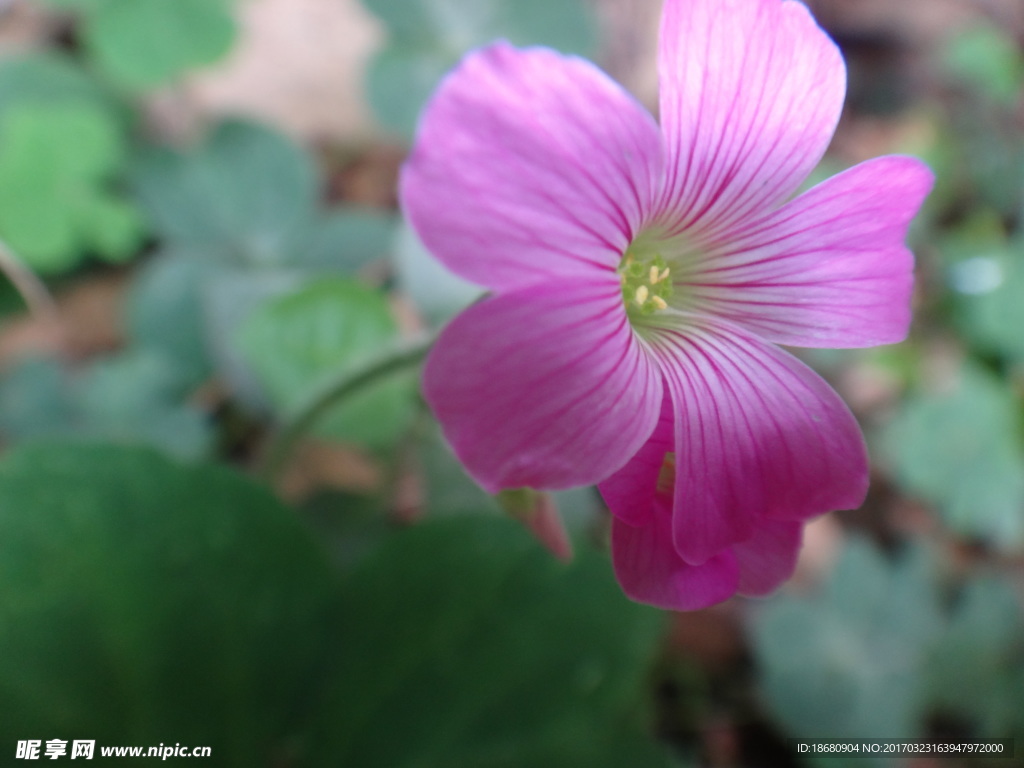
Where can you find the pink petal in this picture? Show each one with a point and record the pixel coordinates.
(761, 435)
(830, 268)
(630, 492)
(751, 91)
(545, 387)
(530, 165)
(650, 571)
(768, 557)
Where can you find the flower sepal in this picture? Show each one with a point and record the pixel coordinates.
(538, 512)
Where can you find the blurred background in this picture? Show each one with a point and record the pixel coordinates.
(200, 237)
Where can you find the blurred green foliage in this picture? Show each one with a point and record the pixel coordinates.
(146, 43)
(148, 601)
(479, 649)
(246, 193)
(135, 397)
(428, 37)
(145, 601)
(959, 446)
(54, 164)
(62, 147)
(847, 662)
(298, 342)
(881, 650)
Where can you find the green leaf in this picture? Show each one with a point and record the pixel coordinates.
(428, 37)
(143, 601)
(135, 397)
(139, 397)
(994, 317)
(55, 164)
(459, 25)
(165, 310)
(46, 79)
(847, 661)
(72, 4)
(959, 448)
(401, 79)
(986, 270)
(971, 669)
(297, 342)
(230, 296)
(987, 59)
(475, 648)
(346, 241)
(36, 399)
(146, 43)
(247, 194)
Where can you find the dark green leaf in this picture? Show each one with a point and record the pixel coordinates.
(144, 601)
(476, 649)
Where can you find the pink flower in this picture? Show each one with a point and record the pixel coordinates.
(642, 276)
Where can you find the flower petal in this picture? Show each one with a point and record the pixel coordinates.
(630, 492)
(761, 435)
(530, 165)
(828, 269)
(546, 387)
(650, 571)
(751, 91)
(768, 557)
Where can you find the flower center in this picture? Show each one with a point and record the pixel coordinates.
(646, 282)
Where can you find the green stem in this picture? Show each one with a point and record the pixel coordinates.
(347, 383)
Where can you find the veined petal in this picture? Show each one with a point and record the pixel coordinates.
(768, 557)
(650, 571)
(530, 165)
(761, 435)
(829, 269)
(545, 387)
(630, 492)
(751, 91)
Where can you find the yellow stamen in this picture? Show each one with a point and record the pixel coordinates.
(641, 295)
(654, 275)
(658, 302)
(664, 274)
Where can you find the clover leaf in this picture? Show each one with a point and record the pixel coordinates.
(56, 202)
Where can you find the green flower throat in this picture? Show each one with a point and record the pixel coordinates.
(646, 283)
